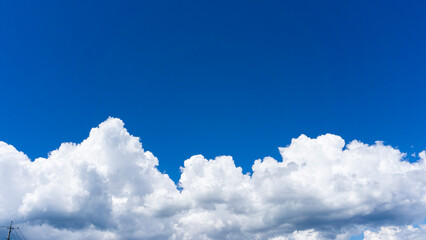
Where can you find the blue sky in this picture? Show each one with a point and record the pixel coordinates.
(236, 78)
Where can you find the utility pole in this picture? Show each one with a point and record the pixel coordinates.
(10, 228)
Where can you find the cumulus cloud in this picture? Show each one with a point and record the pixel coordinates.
(109, 187)
(393, 233)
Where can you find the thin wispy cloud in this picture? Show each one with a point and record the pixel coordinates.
(109, 187)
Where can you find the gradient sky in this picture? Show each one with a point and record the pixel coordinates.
(236, 78)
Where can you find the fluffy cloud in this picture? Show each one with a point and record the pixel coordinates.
(108, 187)
(393, 233)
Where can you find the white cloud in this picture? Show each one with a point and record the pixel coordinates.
(108, 187)
(309, 234)
(393, 233)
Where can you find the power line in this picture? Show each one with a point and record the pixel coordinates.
(10, 230)
(14, 237)
(22, 234)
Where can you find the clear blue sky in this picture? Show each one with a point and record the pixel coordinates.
(236, 78)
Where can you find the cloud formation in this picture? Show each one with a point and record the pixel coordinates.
(392, 233)
(108, 187)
